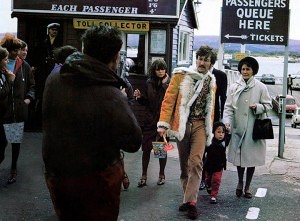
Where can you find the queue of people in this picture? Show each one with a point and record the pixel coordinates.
(84, 134)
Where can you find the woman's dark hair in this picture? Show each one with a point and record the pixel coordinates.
(3, 53)
(23, 44)
(61, 53)
(102, 42)
(10, 42)
(158, 64)
(250, 62)
(207, 51)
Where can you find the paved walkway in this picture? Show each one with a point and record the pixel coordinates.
(28, 198)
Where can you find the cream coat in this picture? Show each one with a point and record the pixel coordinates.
(243, 150)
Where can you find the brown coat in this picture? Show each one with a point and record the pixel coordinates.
(86, 119)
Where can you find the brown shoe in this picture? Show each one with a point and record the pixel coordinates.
(125, 181)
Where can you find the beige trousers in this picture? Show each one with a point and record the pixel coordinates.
(191, 149)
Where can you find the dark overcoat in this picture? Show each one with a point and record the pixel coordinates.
(22, 88)
(86, 119)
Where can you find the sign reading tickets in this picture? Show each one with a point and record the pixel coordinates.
(131, 8)
(255, 22)
(122, 25)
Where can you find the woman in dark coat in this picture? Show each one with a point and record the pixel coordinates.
(156, 86)
(20, 96)
(6, 82)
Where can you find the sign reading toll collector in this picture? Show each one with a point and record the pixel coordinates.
(255, 22)
(122, 25)
(131, 8)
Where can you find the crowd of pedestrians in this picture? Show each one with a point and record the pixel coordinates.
(83, 106)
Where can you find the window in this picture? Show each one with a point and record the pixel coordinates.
(183, 47)
(135, 48)
(158, 41)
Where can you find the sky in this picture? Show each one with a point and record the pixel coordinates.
(209, 14)
(209, 18)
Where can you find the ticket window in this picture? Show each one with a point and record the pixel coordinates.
(136, 56)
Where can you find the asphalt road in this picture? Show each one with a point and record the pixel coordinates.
(28, 199)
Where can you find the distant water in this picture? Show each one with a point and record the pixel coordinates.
(272, 65)
(275, 65)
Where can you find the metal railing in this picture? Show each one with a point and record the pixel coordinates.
(233, 76)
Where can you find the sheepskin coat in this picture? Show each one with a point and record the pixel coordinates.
(243, 150)
(179, 98)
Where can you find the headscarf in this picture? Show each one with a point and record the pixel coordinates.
(240, 86)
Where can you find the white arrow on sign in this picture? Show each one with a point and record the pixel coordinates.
(236, 36)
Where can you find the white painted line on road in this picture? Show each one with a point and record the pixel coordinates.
(252, 213)
(261, 192)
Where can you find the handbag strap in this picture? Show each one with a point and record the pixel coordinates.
(264, 111)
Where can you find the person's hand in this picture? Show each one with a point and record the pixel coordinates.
(161, 131)
(27, 101)
(165, 79)
(252, 106)
(123, 91)
(227, 127)
(10, 76)
(137, 94)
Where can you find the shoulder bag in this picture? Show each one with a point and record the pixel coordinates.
(263, 128)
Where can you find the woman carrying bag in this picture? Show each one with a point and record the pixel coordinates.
(247, 99)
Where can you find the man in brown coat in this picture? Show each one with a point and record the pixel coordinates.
(86, 121)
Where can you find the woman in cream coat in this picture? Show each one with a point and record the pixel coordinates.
(247, 99)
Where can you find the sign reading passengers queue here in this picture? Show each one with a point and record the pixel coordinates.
(255, 22)
(134, 8)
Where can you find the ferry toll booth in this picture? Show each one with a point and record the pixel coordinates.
(151, 29)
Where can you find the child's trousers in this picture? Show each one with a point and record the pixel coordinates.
(213, 180)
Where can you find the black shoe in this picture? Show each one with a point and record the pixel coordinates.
(184, 207)
(208, 189)
(238, 192)
(213, 200)
(192, 212)
(248, 195)
(13, 177)
(202, 185)
(142, 182)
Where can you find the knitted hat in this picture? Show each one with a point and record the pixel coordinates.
(218, 124)
(251, 62)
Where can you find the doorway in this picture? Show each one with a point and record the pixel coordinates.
(136, 47)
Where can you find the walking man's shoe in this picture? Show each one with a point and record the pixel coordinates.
(192, 212)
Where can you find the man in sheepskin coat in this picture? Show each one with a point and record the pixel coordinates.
(187, 113)
(86, 121)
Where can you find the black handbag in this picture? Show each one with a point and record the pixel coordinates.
(263, 129)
